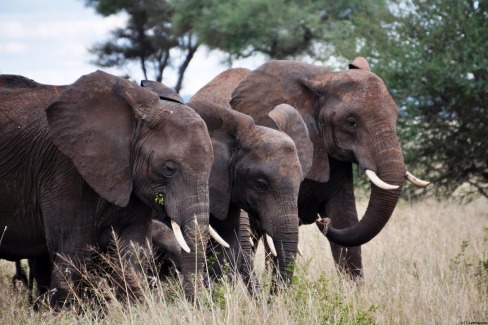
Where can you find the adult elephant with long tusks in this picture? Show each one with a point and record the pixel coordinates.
(351, 118)
(82, 163)
(259, 170)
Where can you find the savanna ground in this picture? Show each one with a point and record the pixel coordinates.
(428, 266)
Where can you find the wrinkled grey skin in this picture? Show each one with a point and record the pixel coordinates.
(39, 270)
(256, 169)
(351, 118)
(259, 170)
(82, 163)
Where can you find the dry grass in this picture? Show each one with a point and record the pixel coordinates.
(428, 266)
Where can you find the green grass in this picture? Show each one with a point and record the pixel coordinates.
(428, 266)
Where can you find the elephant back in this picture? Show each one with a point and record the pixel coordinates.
(24, 101)
(274, 83)
(219, 89)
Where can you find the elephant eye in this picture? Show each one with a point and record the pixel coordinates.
(169, 168)
(261, 185)
(352, 122)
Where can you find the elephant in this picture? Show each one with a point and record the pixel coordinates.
(19, 276)
(84, 163)
(166, 249)
(256, 169)
(40, 271)
(351, 119)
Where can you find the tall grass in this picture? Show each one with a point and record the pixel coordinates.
(428, 266)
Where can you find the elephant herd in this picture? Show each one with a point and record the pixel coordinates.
(105, 159)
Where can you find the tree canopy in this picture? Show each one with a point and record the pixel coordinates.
(279, 29)
(160, 32)
(433, 55)
(148, 39)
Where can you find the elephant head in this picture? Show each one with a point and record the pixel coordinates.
(129, 144)
(259, 170)
(350, 117)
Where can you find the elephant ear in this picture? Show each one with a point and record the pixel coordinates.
(290, 122)
(359, 63)
(162, 91)
(298, 84)
(225, 127)
(93, 123)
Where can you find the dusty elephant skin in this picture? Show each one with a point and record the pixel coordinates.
(257, 169)
(82, 162)
(351, 118)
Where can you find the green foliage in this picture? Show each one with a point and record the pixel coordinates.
(159, 198)
(159, 34)
(476, 267)
(460, 258)
(276, 28)
(433, 57)
(482, 273)
(219, 292)
(334, 308)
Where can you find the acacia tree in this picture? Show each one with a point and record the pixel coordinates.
(279, 29)
(157, 30)
(433, 56)
(149, 38)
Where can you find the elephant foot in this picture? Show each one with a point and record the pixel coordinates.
(352, 274)
(19, 276)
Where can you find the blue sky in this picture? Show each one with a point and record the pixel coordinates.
(48, 41)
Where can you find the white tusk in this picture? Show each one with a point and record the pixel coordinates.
(271, 245)
(414, 180)
(252, 242)
(217, 238)
(299, 251)
(179, 236)
(378, 182)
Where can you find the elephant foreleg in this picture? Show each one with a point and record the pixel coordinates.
(131, 257)
(347, 259)
(39, 270)
(340, 207)
(19, 275)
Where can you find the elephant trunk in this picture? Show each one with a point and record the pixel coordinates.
(246, 255)
(194, 225)
(391, 169)
(285, 239)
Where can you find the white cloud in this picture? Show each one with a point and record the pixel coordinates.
(13, 47)
(49, 41)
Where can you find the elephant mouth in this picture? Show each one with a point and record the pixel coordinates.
(159, 208)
